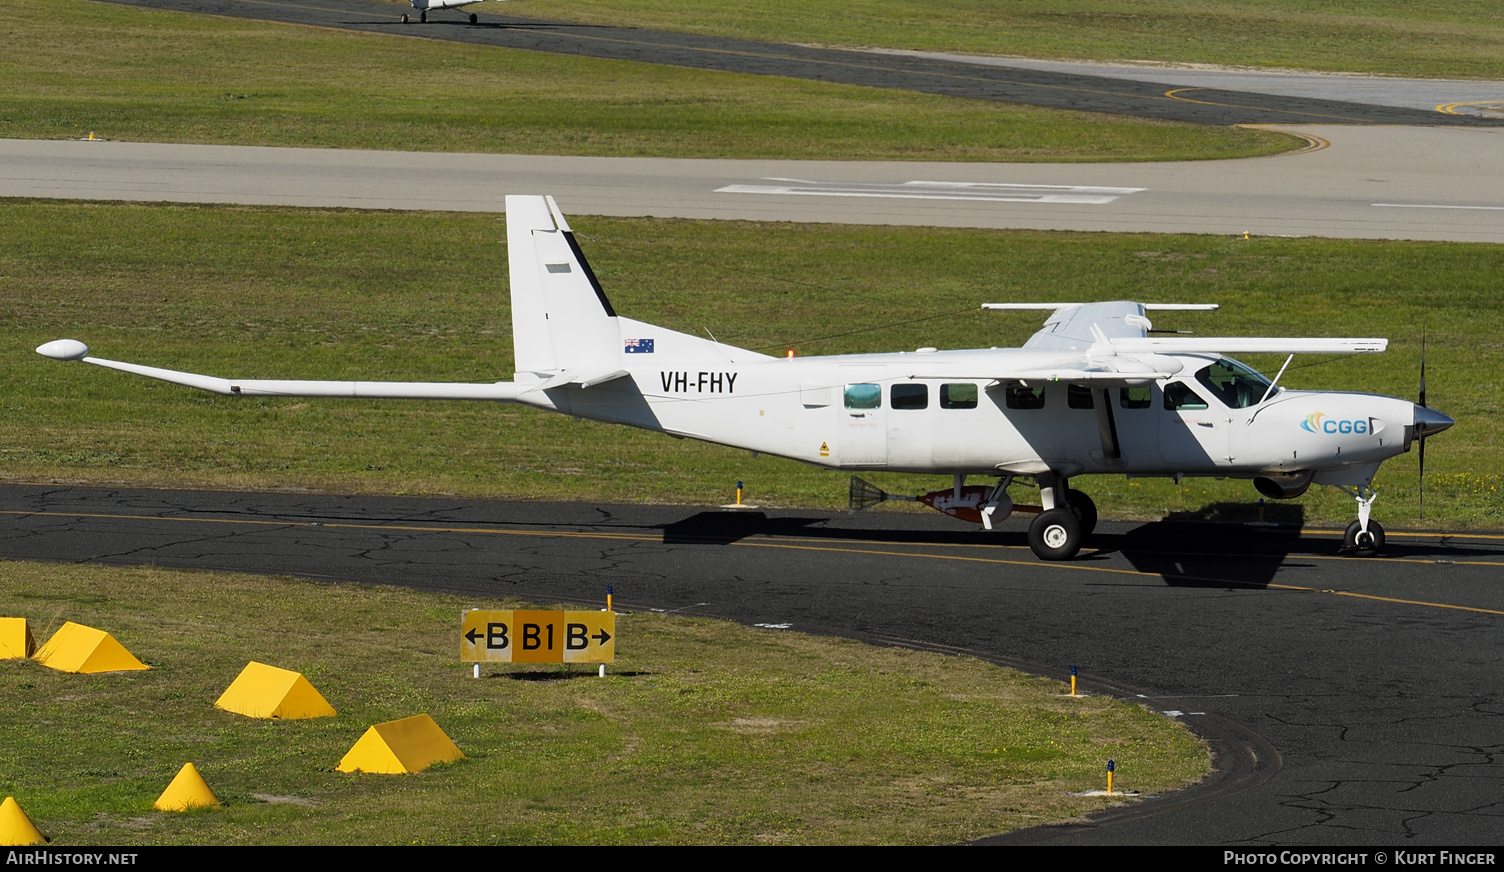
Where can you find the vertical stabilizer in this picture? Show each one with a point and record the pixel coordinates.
(561, 319)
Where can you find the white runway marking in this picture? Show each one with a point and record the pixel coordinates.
(995, 192)
(1437, 206)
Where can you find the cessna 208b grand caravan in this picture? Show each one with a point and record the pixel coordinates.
(1091, 393)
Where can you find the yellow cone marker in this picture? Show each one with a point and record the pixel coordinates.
(16, 642)
(15, 827)
(187, 790)
(401, 747)
(76, 648)
(262, 691)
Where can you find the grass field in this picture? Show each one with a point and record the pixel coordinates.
(1427, 38)
(702, 732)
(146, 75)
(286, 293)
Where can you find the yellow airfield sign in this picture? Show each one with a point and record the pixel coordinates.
(525, 636)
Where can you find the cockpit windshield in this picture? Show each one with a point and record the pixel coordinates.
(1235, 384)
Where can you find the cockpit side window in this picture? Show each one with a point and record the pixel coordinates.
(1179, 396)
(1236, 385)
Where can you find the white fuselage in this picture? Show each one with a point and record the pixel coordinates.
(949, 417)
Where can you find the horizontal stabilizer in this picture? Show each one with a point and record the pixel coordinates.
(553, 380)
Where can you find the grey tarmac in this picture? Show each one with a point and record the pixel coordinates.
(1422, 183)
(1350, 701)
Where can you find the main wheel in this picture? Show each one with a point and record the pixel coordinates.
(1055, 535)
(1084, 509)
(474, 18)
(423, 16)
(1361, 544)
(404, 19)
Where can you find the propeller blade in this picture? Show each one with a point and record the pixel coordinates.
(1422, 484)
(1422, 402)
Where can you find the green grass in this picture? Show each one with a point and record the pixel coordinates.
(702, 731)
(288, 293)
(1427, 38)
(134, 74)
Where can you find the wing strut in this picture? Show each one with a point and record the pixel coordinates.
(1107, 428)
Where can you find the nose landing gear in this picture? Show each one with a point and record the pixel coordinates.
(1364, 538)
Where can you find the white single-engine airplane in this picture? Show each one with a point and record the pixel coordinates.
(1091, 393)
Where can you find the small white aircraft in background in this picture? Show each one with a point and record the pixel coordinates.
(1091, 393)
(424, 5)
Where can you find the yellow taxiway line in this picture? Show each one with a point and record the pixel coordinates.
(831, 546)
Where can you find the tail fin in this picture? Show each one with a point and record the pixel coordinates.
(561, 319)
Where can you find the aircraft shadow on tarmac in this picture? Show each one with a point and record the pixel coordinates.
(1218, 545)
(1187, 549)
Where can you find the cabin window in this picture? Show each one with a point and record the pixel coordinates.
(1078, 397)
(864, 397)
(958, 396)
(1236, 385)
(1178, 395)
(1021, 397)
(910, 396)
(1135, 398)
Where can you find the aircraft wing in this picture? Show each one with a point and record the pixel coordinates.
(1070, 326)
(70, 349)
(1120, 327)
(1251, 344)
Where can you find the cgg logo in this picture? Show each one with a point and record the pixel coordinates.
(1320, 423)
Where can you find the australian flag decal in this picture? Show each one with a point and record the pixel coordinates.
(638, 346)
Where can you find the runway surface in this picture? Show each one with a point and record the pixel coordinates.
(1351, 702)
(1423, 183)
(934, 74)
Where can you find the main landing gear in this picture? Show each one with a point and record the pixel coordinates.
(1069, 516)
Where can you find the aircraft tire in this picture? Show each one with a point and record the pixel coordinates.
(1084, 509)
(1055, 535)
(423, 16)
(404, 19)
(474, 19)
(1359, 545)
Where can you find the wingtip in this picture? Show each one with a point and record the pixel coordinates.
(64, 349)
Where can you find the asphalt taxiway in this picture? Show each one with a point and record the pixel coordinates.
(1055, 87)
(1423, 183)
(1350, 701)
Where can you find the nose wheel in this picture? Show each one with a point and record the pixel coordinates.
(1363, 543)
(1364, 538)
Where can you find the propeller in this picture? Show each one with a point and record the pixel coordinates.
(1421, 484)
(1427, 423)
